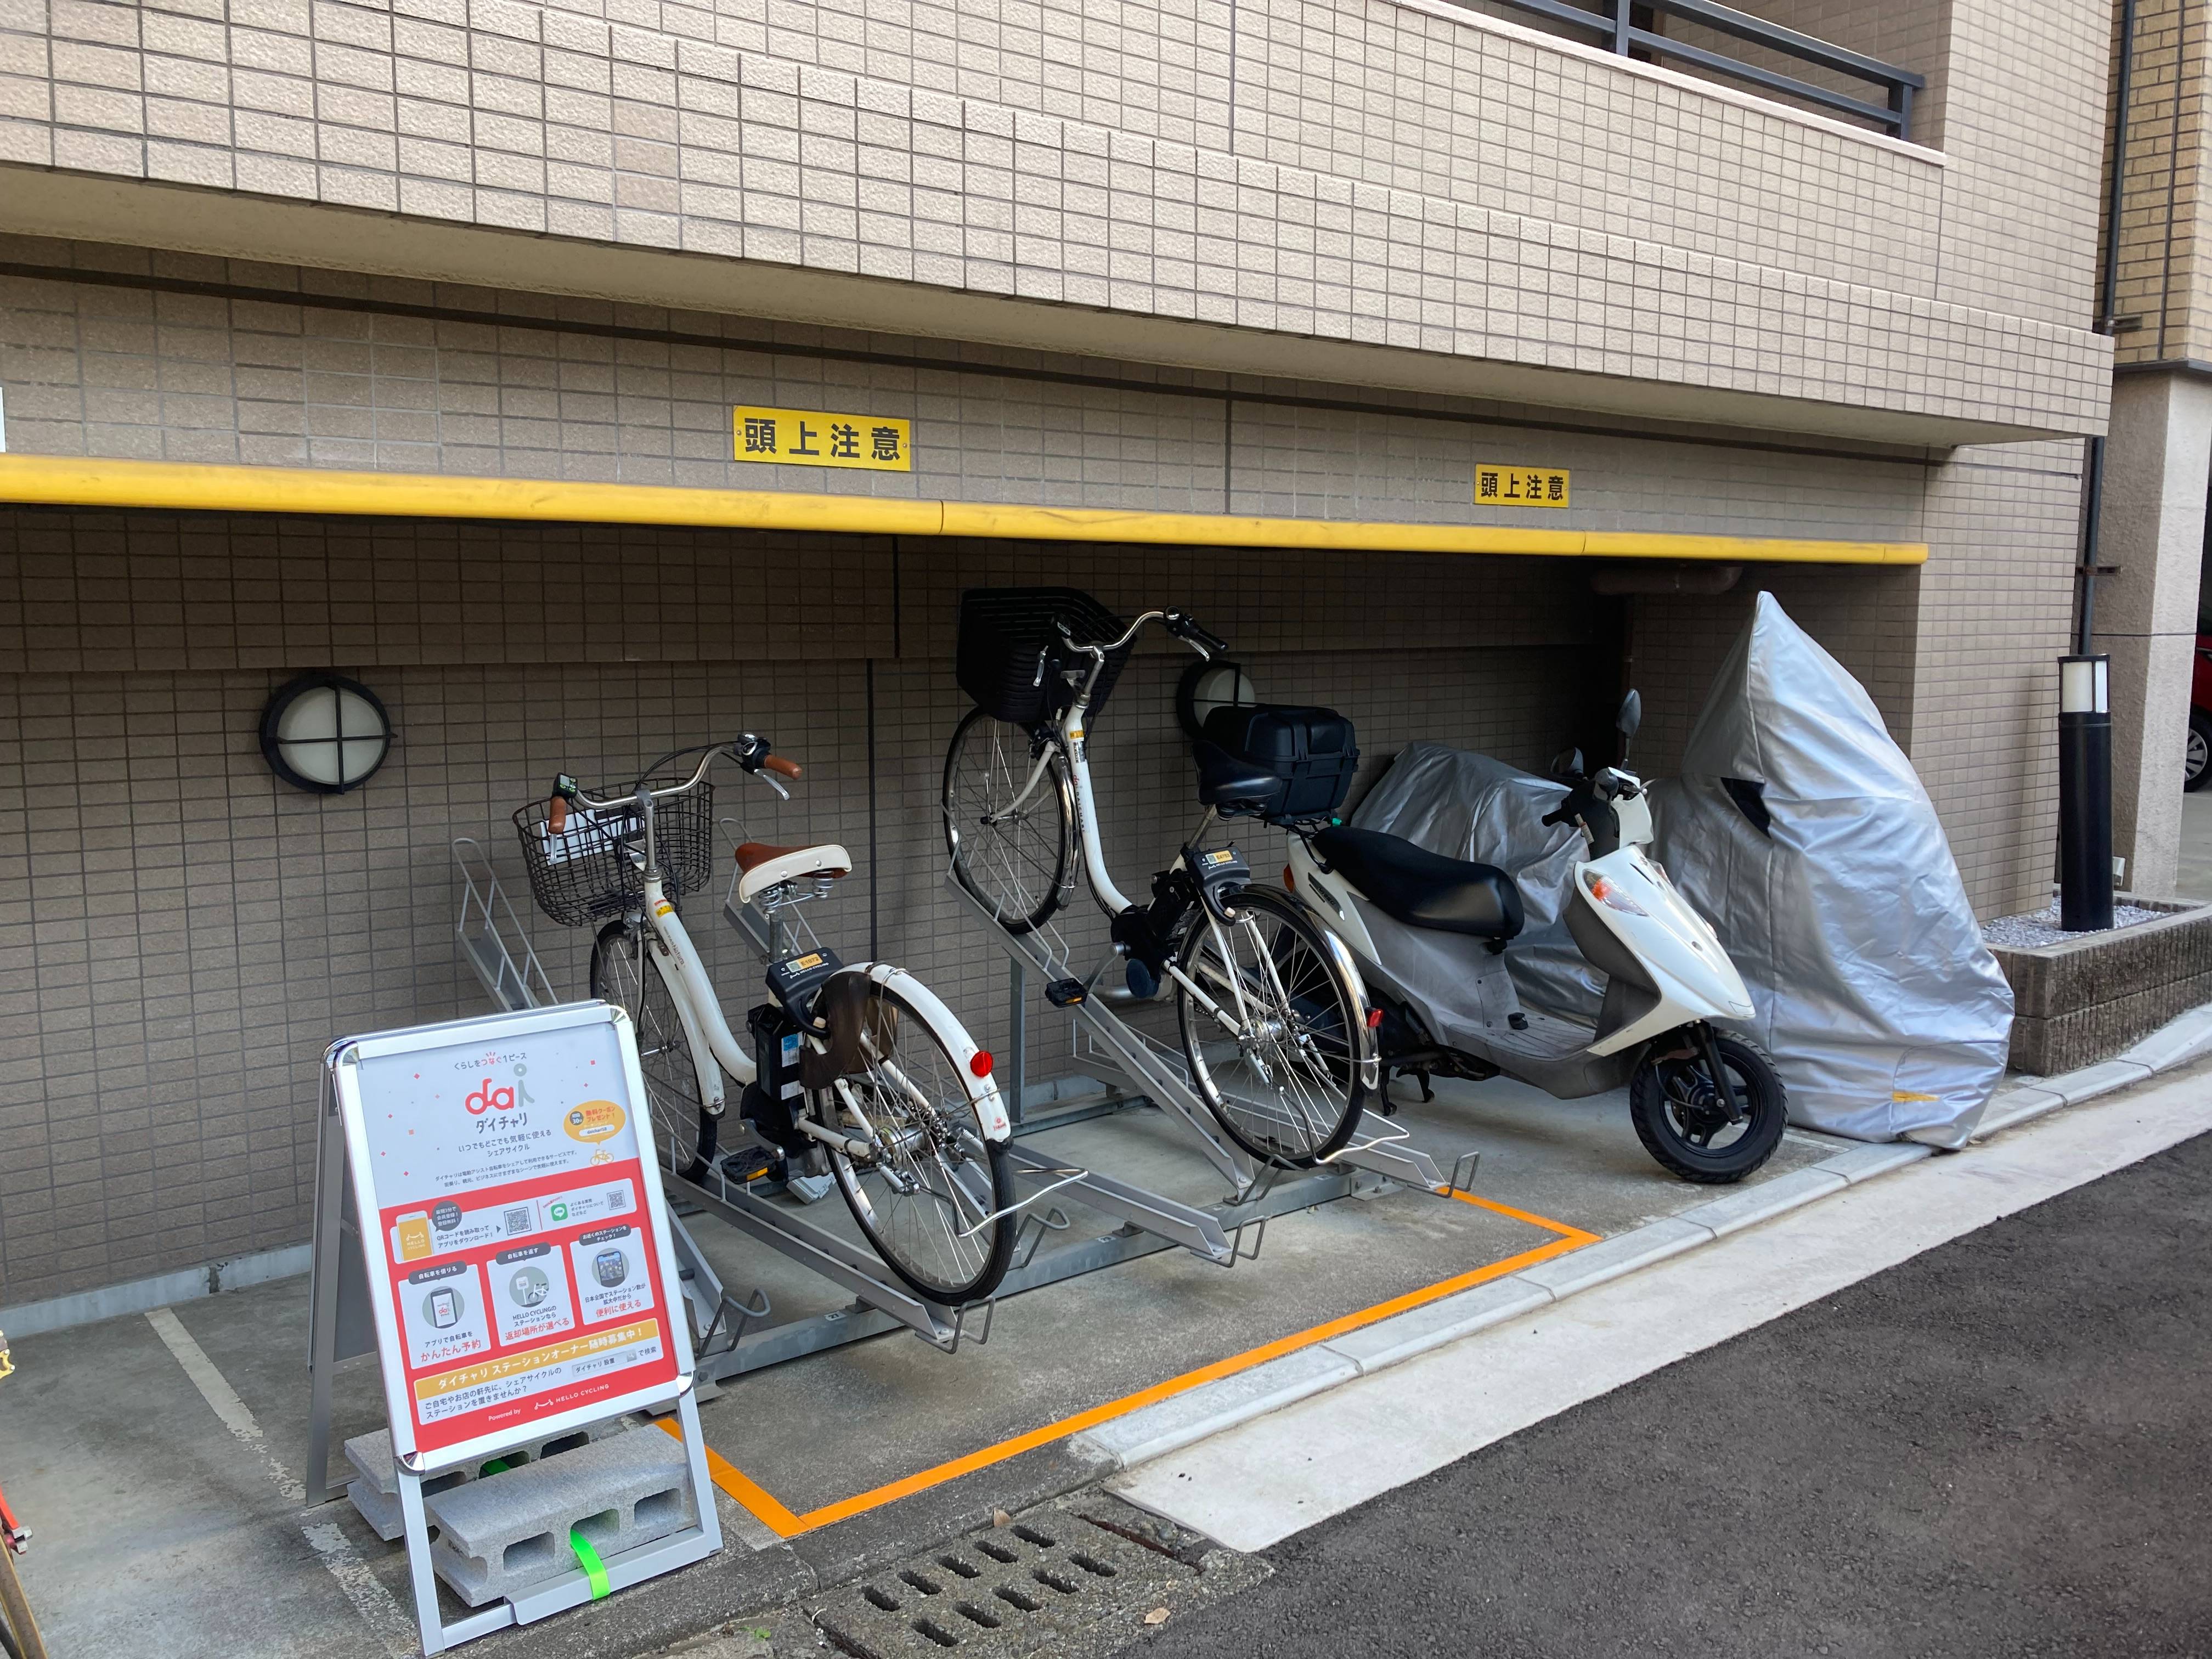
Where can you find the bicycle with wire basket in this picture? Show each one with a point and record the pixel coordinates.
(857, 1070)
(1273, 1028)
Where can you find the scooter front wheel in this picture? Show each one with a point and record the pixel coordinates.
(1682, 1122)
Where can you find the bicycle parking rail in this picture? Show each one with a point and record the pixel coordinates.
(1161, 1076)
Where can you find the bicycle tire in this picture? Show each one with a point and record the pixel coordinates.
(682, 1128)
(1020, 877)
(19, 1630)
(1292, 1127)
(899, 1225)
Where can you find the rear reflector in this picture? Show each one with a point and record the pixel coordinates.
(980, 1062)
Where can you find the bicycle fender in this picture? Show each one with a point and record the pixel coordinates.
(982, 1091)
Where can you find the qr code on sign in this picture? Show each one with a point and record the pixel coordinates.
(617, 1198)
(517, 1221)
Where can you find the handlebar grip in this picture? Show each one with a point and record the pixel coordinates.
(556, 814)
(1181, 625)
(1559, 817)
(789, 769)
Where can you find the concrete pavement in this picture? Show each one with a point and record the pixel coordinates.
(1997, 1446)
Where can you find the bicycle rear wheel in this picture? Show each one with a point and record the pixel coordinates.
(934, 1200)
(1287, 1079)
(1014, 861)
(683, 1129)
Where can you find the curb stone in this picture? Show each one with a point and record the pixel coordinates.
(1215, 1406)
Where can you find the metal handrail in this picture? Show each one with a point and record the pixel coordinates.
(1614, 26)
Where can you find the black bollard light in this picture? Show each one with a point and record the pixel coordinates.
(2084, 794)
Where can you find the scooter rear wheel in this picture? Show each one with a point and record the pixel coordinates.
(1681, 1123)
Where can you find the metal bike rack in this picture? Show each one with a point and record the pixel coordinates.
(1160, 1075)
(737, 1336)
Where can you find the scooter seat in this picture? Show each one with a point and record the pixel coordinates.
(1424, 889)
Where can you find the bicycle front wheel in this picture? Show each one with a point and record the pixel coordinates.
(1277, 1046)
(1010, 849)
(934, 1199)
(683, 1129)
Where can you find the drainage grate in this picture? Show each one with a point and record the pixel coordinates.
(1054, 1582)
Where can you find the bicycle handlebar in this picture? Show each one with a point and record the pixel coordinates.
(1178, 622)
(750, 752)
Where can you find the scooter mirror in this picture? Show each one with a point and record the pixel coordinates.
(1630, 716)
(1568, 763)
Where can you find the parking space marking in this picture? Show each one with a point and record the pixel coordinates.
(222, 1399)
(773, 1514)
(376, 1604)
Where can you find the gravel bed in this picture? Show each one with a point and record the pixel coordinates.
(2033, 929)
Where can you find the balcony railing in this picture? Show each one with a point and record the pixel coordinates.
(1619, 27)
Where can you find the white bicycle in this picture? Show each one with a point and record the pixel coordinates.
(857, 1066)
(1274, 1030)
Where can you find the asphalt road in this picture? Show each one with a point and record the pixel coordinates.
(2004, 1446)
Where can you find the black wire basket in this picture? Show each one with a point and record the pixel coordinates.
(595, 868)
(1004, 629)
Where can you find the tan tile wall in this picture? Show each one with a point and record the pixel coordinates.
(1583, 218)
(2164, 276)
(200, 932)
(147, 373)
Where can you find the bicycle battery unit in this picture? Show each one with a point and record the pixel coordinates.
(772, 1101)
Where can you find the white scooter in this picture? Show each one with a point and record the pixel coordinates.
(1431, 934)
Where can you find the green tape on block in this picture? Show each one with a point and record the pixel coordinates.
(588, 1559)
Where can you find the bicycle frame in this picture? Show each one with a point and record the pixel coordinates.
(1068, 740)
(715, 1047)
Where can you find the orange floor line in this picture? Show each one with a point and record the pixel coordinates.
(742, 1490)
(780, 1521)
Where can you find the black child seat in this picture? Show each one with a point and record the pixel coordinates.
(1282, 763)
(1424, 889)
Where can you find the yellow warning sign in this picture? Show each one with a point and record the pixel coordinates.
(1497, 484)
(812, 437)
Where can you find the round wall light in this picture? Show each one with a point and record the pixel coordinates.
(324, 732)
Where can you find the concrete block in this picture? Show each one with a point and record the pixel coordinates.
(375, 1489)
(1865, 1162)
(1155, 1430)
(497, 1538)
(1387, 1341)
(1594, 1264)
(1747, 1206)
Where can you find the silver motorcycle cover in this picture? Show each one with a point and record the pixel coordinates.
(1843, 909)
(1471, 806)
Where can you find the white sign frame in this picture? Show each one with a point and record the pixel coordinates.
(497, 1028)
(343, 1115)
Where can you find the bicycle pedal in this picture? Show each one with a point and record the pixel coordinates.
(1064, 992)
(750, 1163)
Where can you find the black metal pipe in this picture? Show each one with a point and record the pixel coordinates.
(2085, 575)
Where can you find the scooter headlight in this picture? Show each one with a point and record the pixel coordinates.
(1607, 892)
